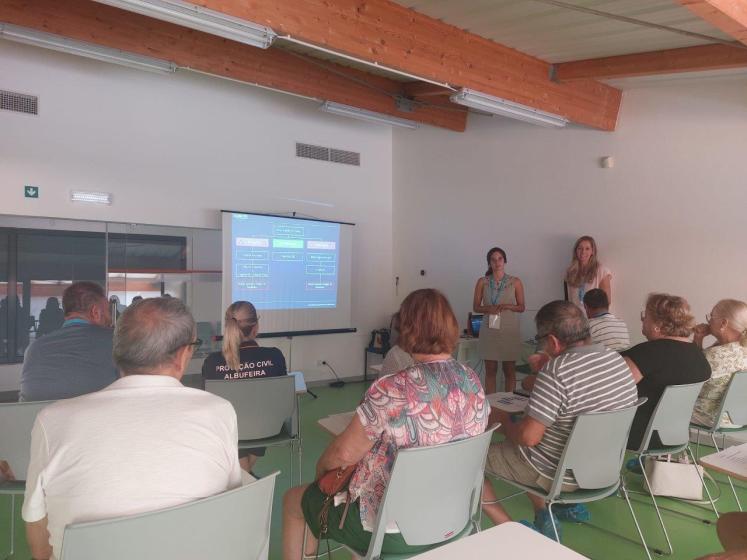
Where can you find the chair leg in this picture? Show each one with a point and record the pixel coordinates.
(552, 521)
(731, 483)
(12, 550)
(632, 513)
(697, 444)
(656, 505)
(700, 476)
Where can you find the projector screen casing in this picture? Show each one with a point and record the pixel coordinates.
(293, 321)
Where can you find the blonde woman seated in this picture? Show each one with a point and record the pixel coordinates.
(243, 358)
(727, 322)
(435, 401)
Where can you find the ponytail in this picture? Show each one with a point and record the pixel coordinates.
(231, 343)
(232, 332)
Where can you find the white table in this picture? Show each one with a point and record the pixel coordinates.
(335, 424)
(731, 461)
(508, 540)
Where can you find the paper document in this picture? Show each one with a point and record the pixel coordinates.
(508, 402)
(732, 460)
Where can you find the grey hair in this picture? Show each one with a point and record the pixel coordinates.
(148, 334)
(562, 319)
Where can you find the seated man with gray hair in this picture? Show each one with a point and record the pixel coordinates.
(577, 377)
(143, 443)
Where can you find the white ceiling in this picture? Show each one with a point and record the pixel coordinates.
(556, 34)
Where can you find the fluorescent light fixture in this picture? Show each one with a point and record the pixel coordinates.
(91, 197)
(80, 48)
(201, 19)
(505, 108)
(364, 115)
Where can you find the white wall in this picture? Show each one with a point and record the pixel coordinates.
(670, 216)
(176, 149)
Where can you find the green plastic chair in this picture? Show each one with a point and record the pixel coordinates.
(735, 404)
(594, 452)
(16, 420)
(234, 525)
(671, 420)
(265, 410)
(433, 495)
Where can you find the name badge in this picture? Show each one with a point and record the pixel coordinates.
(494, 321)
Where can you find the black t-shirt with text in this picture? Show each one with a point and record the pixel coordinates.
(662, 362)
(255, 361)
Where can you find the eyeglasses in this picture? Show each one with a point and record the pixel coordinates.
(195, 344)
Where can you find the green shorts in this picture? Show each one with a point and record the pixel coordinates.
(352, 533)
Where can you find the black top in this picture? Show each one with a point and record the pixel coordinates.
(662, 362)
(256, 361)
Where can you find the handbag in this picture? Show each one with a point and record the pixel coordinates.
(332, 483)
(676, 479)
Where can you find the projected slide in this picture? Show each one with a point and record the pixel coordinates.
(284, 263)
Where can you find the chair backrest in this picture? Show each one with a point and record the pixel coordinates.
(234, 525)
(735, 400)
(433, 492)
(595, 449)
(671, 417)
(262, 405)
(16, 421)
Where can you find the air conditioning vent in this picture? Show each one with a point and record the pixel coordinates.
(323, 153)
(343, 156)
(19, 102)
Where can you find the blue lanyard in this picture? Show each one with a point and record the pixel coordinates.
(495, 295)
(581, 292)
(75, 321)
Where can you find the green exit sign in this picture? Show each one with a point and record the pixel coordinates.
(31, 192)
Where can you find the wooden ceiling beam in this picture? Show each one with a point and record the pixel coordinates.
(671, 61)
(385, 33)
(273, 68)
(730, 16)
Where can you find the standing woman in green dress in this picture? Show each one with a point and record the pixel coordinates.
(500, 298)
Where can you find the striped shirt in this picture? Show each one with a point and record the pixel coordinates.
(609, 331)
(582, 379)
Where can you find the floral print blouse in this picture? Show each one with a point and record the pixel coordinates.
(725, 360)
(426, 404)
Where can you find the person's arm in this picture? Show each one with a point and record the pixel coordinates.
(34, 510)
(699, 333)
(637, 375)
(37, 538)
(606, 285)
(477, 303)
(346, 449)
(6, 473)
(527, 432)
(518, 307)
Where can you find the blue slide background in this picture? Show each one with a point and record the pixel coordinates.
(284, 263)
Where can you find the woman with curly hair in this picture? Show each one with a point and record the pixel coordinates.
(667, 358)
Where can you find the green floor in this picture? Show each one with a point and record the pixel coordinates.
(609, 536)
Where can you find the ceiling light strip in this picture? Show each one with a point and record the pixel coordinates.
(365, 115)
(505, 108)
(81, 48)
(200, 18)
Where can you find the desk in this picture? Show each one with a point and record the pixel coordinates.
(731, 461)
(508, 540)
(335, 424)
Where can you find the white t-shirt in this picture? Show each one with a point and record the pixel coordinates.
(576, 293)
(143, 443)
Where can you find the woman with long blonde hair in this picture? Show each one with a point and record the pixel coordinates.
(727, 323)
(586, 272)
(242, 358)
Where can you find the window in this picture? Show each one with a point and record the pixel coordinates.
(36, 266)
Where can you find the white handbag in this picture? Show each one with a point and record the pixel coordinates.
(673, 478)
